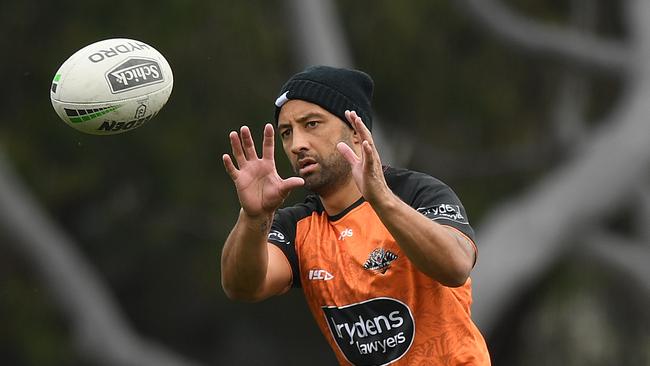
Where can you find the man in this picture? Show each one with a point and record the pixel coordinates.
(383, 255)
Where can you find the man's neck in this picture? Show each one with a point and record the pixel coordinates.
(341, 198)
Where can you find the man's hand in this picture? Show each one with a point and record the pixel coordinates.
(438, 251)
(366, 170)
(259, 187)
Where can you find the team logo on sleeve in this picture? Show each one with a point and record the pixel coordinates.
(277, 237)
(444, 211)
(379, 260)
(373, 332)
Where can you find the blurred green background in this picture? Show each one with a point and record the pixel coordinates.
(150, 209)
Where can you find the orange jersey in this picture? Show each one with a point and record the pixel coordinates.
(370, 302)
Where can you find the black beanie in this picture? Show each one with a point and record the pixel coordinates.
(334, 89)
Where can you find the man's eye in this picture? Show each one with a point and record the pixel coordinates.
(311, 124)
(284, 134)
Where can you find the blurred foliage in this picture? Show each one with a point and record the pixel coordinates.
(584, 313)
(151, 208)
(31, 329)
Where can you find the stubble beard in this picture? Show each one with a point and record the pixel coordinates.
(333, 174)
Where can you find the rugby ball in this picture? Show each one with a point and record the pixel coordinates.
(111, 86)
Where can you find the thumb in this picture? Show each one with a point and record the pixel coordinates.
(347, 153)
(290, 183)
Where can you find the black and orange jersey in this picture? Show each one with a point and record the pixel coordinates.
(371, 303)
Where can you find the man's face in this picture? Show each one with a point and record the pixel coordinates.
(309, 136)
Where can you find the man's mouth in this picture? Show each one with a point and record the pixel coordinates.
(306, 166)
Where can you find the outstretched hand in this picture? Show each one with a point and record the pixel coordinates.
(367, 170)
(259, 187)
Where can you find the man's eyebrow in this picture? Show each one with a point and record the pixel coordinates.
(309, 116)
(302, 119)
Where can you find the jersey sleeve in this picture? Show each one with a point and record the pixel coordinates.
(433, 199)
(283, 236)
(443, 206)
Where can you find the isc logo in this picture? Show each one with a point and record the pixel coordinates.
(320, 274)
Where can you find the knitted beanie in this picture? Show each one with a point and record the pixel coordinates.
(334, 89)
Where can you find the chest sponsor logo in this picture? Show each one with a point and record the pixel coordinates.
(134, 73)
(444, 211)
(319, 274)
(379, 260)
(374, 332)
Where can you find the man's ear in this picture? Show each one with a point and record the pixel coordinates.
(356, 139)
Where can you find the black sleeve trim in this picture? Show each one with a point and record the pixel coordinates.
(283, 232)
(289, 251)
(431, 197)
(283, 236)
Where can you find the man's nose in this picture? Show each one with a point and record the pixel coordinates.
(299, 142)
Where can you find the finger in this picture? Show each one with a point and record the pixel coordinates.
(359, 126)
(268, 144)
(289, 184)
(237, 151)
(247, 142)
(348, 153)
(367, 137)
(371, 157)
(368, 156)
(350, 118)
(230, 167)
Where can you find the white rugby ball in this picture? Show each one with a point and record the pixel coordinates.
(111, 86)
